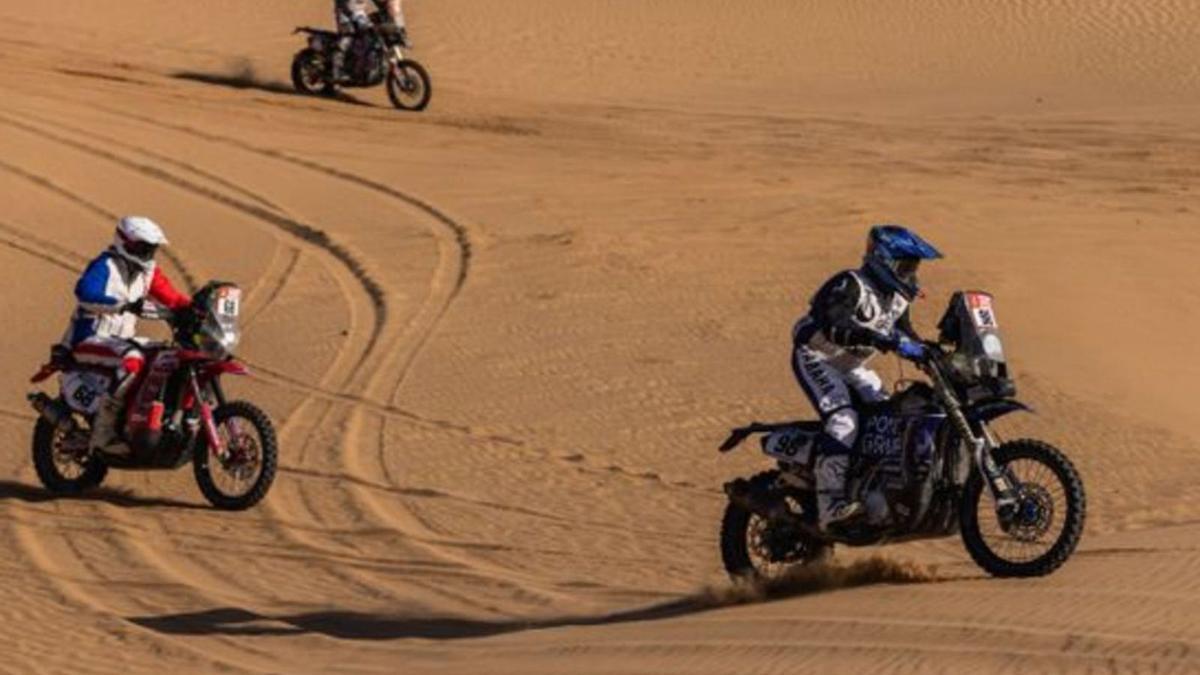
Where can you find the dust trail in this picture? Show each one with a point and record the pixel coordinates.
(818, 579)
(238, 74)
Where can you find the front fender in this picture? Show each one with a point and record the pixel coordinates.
(225, 368)
(986, 411)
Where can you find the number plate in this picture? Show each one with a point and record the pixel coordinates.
(790, 445)
(981, 310)
(229, 303)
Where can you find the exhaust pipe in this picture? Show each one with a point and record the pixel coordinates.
(52, 410)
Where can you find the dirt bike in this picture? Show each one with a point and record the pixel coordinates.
(374, 56)
(176, 412)
(925, 465)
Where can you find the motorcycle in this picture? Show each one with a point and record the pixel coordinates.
(176, 412)
(375, 55)
(926, 465)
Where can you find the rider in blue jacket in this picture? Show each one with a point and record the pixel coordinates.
(853, 316)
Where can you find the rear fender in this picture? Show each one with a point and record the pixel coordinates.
(46, 372)
(319, 40)
(736, 436)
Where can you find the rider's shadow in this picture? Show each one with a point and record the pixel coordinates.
(11, 490)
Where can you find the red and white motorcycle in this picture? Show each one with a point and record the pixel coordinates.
(177, 412)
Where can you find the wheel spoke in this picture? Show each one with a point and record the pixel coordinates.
(236, 474)
(1040, 519)
(765, 551)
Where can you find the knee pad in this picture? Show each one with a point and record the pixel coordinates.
(131, 365)
(841, 428)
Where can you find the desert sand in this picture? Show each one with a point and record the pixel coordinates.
(501, 376)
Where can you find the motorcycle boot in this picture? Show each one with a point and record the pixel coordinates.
(337, 67)
(337, 64)
(834, 509)
(104, 428)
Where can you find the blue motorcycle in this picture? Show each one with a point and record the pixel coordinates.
(926, 465)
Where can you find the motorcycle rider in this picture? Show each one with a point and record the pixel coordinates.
(854, 315)
(353, 17)
(111, 296)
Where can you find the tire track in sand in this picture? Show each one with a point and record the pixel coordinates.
(171, 161)
(184, 273)
(278, 277)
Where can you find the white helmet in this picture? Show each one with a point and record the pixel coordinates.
(137, 240)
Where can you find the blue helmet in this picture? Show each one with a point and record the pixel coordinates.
(893, 255)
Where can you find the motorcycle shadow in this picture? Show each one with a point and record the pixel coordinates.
(31, 494)
(249, 80)
(345, 625)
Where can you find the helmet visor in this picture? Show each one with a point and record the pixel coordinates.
(141, 250)
(906, 269)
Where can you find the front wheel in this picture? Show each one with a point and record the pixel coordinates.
(756, 548)
(63, 461)
(241, 478)
(309, 69)
(408, 85)
(1047, 520)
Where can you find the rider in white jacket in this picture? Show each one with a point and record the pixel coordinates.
(853, 316)
(111, 295)
(353, 17)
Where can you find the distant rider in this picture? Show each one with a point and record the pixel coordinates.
(112, 293)
(353, 17)
(853, 316)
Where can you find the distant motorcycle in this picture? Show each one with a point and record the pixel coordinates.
(177, 413)
(374, 57)
(925, 465)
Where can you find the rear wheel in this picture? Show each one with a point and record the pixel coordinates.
(309, 73)
(241, 478)
(63, 461)
(754, 547)
(1047, 522)
(408, 85)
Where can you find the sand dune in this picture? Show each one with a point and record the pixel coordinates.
(502, 338)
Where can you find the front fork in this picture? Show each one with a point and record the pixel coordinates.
(998, 480)
(216, 445)
(1001, 485)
